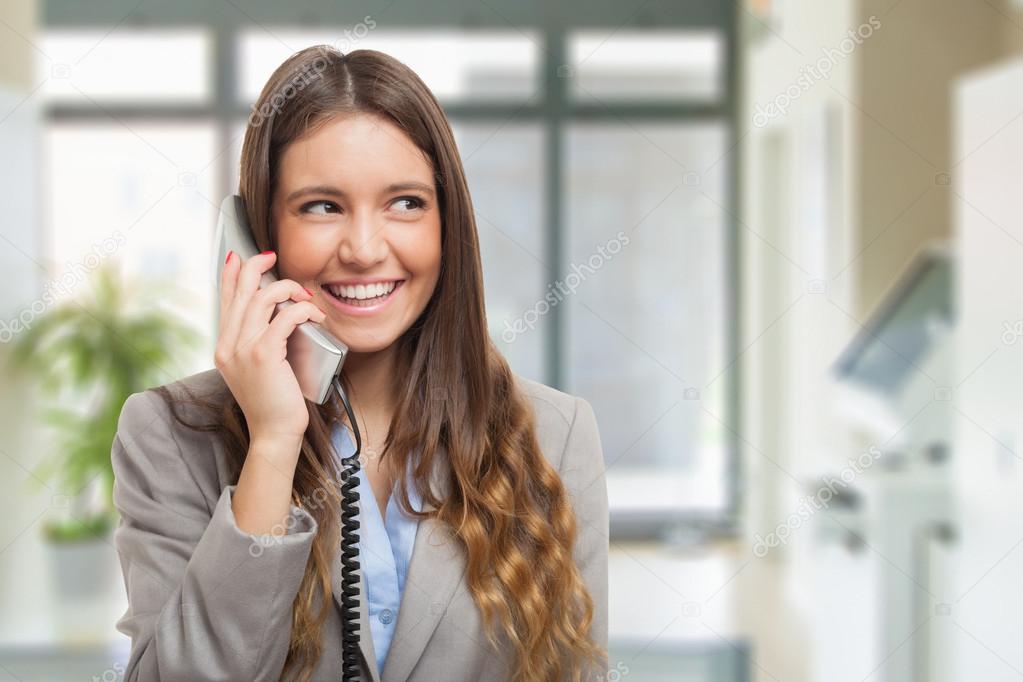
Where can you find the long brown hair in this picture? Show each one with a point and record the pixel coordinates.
(507, 506)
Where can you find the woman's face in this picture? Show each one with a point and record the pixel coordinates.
(357, 223)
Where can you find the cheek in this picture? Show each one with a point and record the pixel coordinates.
(299, 255)
(421, 252)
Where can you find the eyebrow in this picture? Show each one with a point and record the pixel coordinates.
(335, 192)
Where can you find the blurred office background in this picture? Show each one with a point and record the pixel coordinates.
(791, 234)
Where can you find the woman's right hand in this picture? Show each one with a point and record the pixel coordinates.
(251, 350)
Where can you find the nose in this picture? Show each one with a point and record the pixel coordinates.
(363, 241)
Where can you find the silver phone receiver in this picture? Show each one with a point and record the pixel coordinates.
(316, 356)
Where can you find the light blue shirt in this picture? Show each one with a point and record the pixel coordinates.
(385, 550)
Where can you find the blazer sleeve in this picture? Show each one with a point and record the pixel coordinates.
(582, 472)
(206, 601)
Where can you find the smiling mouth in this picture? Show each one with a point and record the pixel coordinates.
(363, 296)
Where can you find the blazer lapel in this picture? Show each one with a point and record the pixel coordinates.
(435, 570)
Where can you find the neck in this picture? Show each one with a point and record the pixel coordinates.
(370, 378)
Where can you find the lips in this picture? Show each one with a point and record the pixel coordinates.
(361, 291)
(365, 306)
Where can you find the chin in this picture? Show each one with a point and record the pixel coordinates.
(367, 348)
(361, 341)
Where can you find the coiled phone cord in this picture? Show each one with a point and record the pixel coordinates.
(349, 551)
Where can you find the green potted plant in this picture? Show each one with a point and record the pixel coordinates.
(93, 352)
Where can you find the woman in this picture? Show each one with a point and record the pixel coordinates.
(489, 560)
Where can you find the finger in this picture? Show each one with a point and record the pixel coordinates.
(246, 284)
(262, 304)
(228, 275)
(284, 324)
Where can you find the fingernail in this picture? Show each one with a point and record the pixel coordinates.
(265, 253)
(307, 291)
(228, 259)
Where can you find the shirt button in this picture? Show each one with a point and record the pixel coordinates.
(386, 616)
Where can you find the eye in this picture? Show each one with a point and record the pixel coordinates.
(319, 206)
(412, 203)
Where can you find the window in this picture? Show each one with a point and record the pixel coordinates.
(505, 170)
(648, 321)
(648, 65)
(105, 68)
(455, 65)
(569, 137)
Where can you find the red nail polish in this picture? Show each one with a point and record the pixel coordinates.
(228, 259)
(265, 253)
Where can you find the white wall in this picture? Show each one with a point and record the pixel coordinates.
(830, 220)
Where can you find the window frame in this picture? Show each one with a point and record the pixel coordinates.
(554, 110)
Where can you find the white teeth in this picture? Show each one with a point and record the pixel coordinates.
(362, 291)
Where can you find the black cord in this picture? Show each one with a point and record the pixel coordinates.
(349, 552)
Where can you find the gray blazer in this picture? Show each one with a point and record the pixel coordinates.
(207, 601)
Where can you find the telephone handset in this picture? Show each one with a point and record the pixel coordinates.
(316, 356)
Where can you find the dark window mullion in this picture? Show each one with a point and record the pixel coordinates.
(555, 106)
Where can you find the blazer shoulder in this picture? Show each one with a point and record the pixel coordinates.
(208, 384)
(153, 449)
(556, 414)
(547, 399)
(146, 415)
